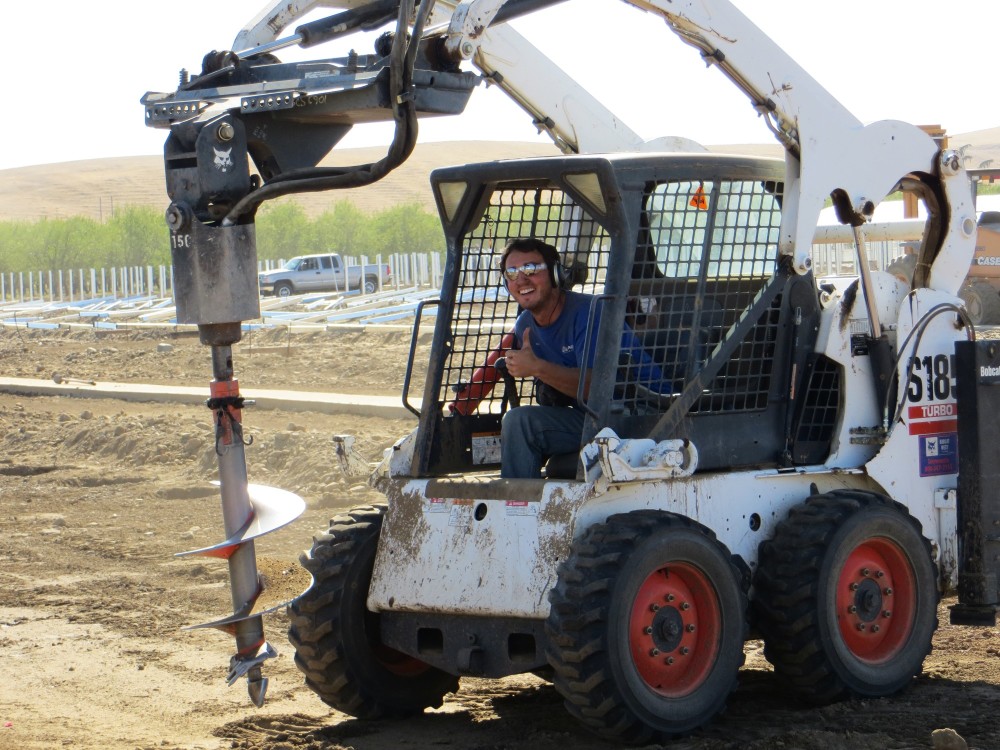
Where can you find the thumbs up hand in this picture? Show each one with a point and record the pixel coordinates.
(522, 363)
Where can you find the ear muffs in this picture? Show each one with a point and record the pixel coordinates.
(558, 276)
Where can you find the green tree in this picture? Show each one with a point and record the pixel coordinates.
(406, 229)
(282, 231)
(343, 229)
(58, 244)
(138, 237)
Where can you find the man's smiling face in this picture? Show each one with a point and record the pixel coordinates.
(531, 292)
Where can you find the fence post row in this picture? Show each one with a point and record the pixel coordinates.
(408, 270)
(411, 269)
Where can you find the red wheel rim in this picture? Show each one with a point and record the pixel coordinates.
(396, 662)
(674, 629)
(876, 600)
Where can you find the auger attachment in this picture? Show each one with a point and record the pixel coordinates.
(249, 511)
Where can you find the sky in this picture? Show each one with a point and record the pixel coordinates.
(76, 73)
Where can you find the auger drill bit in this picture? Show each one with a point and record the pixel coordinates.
(215, 287)
(248, 511)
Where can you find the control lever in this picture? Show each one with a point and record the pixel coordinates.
(510, 394)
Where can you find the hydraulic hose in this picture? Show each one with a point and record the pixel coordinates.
(402, 58)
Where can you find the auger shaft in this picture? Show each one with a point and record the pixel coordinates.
(237, 511)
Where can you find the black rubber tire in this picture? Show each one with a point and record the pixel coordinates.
(982, 302)
(336, 637)
(371, 284)
(826, 558)
(606, 669)
(283, 289)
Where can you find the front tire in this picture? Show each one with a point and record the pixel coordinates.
(283, 289)
(647, 626)
(336, 638)
(846, 597)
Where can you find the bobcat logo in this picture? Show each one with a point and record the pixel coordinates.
(223, 159)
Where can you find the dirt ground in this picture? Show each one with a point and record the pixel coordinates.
(96, 496)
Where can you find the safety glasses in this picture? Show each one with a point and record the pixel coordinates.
(528, 269)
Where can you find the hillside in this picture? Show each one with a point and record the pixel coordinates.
(94, 188)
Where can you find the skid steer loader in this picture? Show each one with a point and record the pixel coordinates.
(806, 466)
(797, 478)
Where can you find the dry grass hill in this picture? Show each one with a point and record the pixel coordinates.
(94, 188)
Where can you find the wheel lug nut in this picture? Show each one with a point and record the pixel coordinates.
(879, 574)
(865, 572)
(669, 660)
(685, 651)
(648, 630)
(887, 591)
(854, 587)
(875, 628)
(654, 652)
(690, 628)
(852, 609)
(861, 626)
(654, 607)
(670, 597)
(685, 606)
(887, 613)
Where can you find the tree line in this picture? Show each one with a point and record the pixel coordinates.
(138, 236)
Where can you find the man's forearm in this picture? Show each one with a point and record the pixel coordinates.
(563, 379)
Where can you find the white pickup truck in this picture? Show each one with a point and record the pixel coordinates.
(323, 273)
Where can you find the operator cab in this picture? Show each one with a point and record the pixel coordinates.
(681, 248)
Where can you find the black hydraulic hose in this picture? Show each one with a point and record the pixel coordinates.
(401, 61)
(917, 333)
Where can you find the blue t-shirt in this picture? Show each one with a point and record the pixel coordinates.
(564, 341)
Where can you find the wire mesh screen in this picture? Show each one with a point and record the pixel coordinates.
(484, 311)
(706, 251)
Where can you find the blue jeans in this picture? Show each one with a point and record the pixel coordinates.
(529, 435)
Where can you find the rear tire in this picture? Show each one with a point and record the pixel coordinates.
(371, 285)
(982, 302)
(846, 597)
(336, 638)
(647, 626)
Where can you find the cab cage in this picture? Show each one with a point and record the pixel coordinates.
(681, 249)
